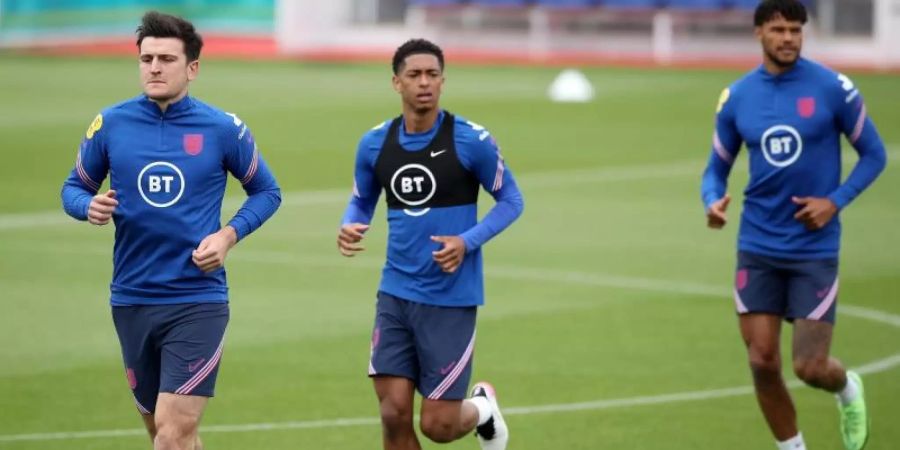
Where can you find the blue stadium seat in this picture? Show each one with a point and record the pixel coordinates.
(567, 4)
(630, 4)
(699, 5)
(747, 5)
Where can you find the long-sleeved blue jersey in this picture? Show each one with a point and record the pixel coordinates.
(432, 180)
(791, 124)
(169, 172)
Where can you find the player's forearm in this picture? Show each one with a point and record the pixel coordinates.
(256, 210)
(75, 199)
(359, 211)
(509, 207)
(715, 180)
(872, 160)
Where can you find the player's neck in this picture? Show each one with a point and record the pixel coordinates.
(164, 104)
(774, 68)
(415, 122)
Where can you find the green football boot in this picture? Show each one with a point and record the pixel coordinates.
(854, 420)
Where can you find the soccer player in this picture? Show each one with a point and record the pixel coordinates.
(790, 112)
(168, 156)
(430, 164)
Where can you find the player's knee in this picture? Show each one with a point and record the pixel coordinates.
(438, 429)
(810, 370)
(765, 364)
(175, 434)
(395, 417)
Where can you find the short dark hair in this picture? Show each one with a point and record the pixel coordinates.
(415, 47)
(159, 25)
(792, 10)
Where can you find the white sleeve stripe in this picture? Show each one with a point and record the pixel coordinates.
(251, 171)
(720, 149)
(498, 176)
(860, 124)
(83, 174)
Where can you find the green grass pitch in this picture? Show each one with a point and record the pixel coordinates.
(609, 322)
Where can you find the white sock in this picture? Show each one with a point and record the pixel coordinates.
(849, 393)
(794, 443)
(483, 407)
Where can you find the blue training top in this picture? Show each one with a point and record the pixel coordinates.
(169, 172)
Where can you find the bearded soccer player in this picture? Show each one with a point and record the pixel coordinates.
(168, 156)
(430, 163)
(790, 113)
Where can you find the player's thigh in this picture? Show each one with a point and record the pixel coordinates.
(813, 290)
(759, 285)
(445, 343)
(398, 391)
(135, 326)
(180, 411)
(441, 412)
(812, 340)
(393, 351)
(191, 347)
(761, 333)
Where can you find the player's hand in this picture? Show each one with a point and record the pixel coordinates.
(349, 237)
(815, 212)
(715, 215)
(451, 255)
(102, 207)
(210, 254)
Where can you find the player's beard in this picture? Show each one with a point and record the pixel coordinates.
(784, 64)
(167, 97)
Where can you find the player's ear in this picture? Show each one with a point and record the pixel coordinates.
(758, 32)
(193, 69)
(395, 81)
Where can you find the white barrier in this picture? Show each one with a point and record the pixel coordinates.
(312, 26)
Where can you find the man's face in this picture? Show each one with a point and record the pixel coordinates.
(419, 82)
(781, 40)
(165, 70)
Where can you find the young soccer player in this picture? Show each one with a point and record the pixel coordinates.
(430, 164)
(790, 112)
(168, 156)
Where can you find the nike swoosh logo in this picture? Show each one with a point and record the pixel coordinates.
(446, 370)
(433, 154)
(193, 366)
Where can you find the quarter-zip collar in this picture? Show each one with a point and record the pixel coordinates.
(790, 75)
(173, 110)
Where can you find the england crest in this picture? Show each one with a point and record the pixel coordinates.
(193, 144)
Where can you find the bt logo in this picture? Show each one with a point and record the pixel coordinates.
(406, 184)
(781, 145)
(414, 185)
(161, 184)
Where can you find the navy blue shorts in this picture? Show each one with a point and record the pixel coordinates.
(793, 289)
(170, 348)
(430, 345)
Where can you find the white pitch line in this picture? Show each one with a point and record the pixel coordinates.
(604, 280)
(880, 365)
(596, 279)
(551, 276)
(13, 221)
(16, 221)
